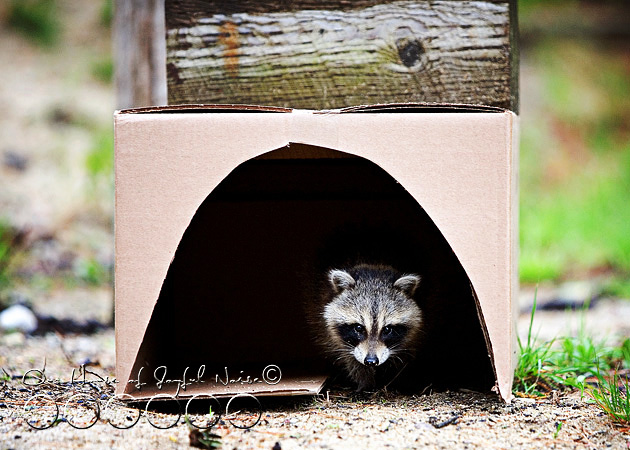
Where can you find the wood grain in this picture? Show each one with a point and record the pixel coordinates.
(322, 55)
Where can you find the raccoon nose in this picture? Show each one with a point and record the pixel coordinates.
(371, 360)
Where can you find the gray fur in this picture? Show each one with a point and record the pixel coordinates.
(408, 284)
(340, 280)
(375, 297)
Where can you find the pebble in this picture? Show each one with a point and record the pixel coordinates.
(14, 160)
(568, 295)
(18, 318)
(573, 294)
(424, 426)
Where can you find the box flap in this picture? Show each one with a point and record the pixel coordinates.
(421, 107)
(199, 108)
(377, 108)
(221, 387)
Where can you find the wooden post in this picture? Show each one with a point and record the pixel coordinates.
(140, 53)
(321, 54)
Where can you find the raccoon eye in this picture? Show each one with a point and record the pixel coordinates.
(351, 333)
(393, 334)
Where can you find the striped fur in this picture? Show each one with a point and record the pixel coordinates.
(371, 320)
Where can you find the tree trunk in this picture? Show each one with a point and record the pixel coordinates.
(140, 52)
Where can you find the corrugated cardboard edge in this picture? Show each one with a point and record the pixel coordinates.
(374, 108)
(504, 383)
(293, 386)
(515, 205)
(340, 132)
(201, 108)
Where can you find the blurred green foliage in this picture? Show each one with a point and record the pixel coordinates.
(100, 159)
(38, 20)
(5, 253)
(527, 4)
(575, 163)
(90, 271)
(103, 70)
(107, 13)
(618, 287)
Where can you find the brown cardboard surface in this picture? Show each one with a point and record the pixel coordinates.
(460, 167)
(221, 382)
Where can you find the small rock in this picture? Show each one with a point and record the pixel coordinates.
(18, 317)
(13, 160)
(573, 295)
(423, 426)
(60, 115)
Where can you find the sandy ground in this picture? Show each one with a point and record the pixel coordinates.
(52, 105)
(334, 419)
(441, 421)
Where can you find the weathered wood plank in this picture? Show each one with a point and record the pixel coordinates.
(140, 53)
(322, 56)
(179, 11)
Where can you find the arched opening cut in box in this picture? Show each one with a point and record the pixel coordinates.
(233, 300)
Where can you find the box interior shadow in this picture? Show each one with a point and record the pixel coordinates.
(248, 267)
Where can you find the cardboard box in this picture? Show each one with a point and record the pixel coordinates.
(222, 212)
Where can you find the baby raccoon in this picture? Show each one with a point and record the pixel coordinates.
(371, 319)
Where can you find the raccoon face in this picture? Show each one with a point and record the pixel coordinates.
(372, 316)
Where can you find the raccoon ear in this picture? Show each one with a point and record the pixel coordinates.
(340, 280)
(407, 284)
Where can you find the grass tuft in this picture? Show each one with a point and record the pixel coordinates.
(203, 438)
(611, 395)
(564, 363)
(531, 377)
(557, 431)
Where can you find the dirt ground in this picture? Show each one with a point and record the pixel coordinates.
(441, 421)
(335, 419)
(52, 105)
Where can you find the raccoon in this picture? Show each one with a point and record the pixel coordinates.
(371, 321)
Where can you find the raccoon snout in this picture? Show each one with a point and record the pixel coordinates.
(371, 361)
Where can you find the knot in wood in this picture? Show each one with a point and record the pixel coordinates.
(410, 51)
